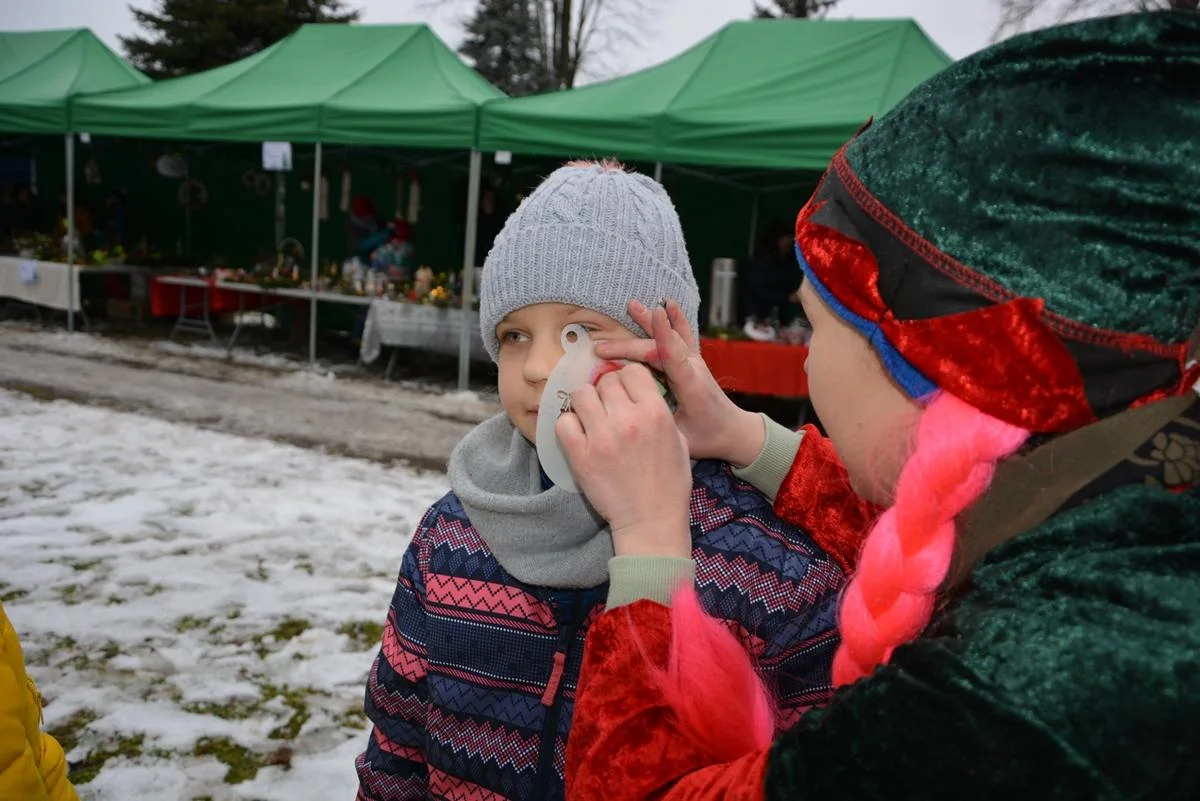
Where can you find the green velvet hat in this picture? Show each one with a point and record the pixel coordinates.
(1023, 230)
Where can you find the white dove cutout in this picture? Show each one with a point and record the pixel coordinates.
(577, 367)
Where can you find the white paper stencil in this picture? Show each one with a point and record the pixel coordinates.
(574, 369)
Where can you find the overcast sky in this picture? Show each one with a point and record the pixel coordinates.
(959, 26)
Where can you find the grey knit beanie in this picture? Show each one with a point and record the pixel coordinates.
(591, 236)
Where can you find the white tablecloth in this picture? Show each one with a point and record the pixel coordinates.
(42, 283)
(413, 325)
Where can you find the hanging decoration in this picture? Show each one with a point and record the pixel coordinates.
(193, 194)
(414, 199)
(258, 182)
(344, 203)
(91, 172)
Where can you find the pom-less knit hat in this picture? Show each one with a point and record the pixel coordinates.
(592, 236)
(1023, 230)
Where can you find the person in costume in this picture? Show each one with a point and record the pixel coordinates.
(473, 690)
(1003, 279)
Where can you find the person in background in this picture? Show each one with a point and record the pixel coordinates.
(1003, 278)
(361, 223)
(32, 764)
(772, 279)
(394, 255)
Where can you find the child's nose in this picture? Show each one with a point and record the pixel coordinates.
(543, 355)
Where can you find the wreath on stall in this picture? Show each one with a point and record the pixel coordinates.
(193, 194)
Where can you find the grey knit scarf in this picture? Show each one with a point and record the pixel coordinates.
(549, 538)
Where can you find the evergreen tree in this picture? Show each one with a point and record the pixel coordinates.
(503, 43)
(799, 9)
(186, 36)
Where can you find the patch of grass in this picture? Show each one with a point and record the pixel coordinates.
(365, 634)
(305, 566)
(288, 629)
(12, 595)
(189, 623)
(259, 573)
(234, 613)
(69, 594)
(34, 489)
(233, 709)
(110, 650)
(155, 589)
(86, 770)
(115, 600)
(353, 718)
(295, 700)
(241, 763)
(68, 731)
(187, 510)
(81, 565)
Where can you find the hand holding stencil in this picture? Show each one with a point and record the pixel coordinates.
(578, 366)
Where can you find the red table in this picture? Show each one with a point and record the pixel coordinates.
(165, 299)
(757, 368)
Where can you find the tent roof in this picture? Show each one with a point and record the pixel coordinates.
(762, 93)
(41, 70)
(349, 84)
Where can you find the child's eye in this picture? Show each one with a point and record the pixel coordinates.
(512, 337)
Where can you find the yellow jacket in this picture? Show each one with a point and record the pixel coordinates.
(32, 764)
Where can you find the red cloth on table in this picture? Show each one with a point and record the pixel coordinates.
(757, 368)
(164, 299)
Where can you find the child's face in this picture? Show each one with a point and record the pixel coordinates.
(530, 346)
(867, 416)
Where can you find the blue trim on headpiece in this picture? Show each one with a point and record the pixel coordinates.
(910, 379)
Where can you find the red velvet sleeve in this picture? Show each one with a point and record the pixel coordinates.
(624, 743)
(816, 496)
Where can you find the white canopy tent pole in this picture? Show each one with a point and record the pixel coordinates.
(468, 276)
(314, 260)
(658, 171)
(70, 232)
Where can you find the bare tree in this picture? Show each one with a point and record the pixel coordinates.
(1021, 15)
(575, 37)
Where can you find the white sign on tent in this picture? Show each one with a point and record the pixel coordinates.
(277, 156)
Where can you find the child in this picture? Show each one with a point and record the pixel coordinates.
(473, 691)
(1003, 280)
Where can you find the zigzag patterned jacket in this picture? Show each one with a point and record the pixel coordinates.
(473, 690)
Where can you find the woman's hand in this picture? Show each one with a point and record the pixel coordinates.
(715, 428)
(631, 462)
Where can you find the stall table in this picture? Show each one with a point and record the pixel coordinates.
(397, 324)
(47, 284)
(757, 368)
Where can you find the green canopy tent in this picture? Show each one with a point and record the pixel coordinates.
(781, 94)
(390, 85)
(40, 71)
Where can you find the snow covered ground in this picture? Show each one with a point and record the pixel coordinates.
(268, 396)
(200, 609)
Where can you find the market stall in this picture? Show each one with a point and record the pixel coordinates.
(40, 73)
(380, 85)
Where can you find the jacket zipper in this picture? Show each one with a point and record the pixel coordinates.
(552, 697)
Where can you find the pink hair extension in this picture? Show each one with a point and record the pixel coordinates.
(906, 556)
(710, 684)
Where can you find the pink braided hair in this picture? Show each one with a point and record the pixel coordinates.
(907, 554)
